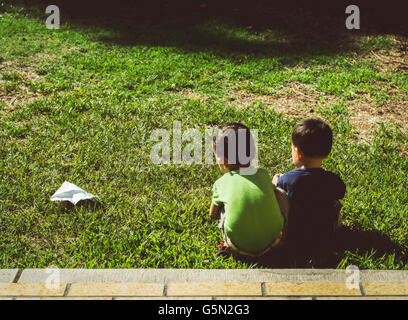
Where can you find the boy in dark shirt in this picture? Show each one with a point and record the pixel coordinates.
(313, 192)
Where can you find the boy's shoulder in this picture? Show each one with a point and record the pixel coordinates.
(304, 177)
(293, 175)
(225, 177)
(315, 172)
(302, 180)
(234, 176)
(236, 173)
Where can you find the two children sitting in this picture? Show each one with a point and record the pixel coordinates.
(258, 214)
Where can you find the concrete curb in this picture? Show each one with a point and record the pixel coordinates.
(198, 275)
(202, 284)
(8, 275)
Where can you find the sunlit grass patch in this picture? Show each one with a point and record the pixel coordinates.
(77, 105)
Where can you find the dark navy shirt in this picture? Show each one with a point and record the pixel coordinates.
(312, 193)
(313, 187)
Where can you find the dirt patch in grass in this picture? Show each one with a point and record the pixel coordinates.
(394, 59)
(364, 116)
(299, 100)
(13, 84)
(191, 94)
(295, 100)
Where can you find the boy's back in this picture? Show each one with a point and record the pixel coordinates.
(312, 193)
(252, 216)
(312, 188)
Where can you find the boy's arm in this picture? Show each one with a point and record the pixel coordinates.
(275, 178)
(215, 211)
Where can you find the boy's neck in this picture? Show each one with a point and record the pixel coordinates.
(311, 164)
(229, 168)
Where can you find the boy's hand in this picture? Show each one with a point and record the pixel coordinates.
(275, 178)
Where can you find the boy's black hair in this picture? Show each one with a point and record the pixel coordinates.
(230, 143)
(313, 137)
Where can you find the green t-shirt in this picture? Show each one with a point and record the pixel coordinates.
(252, 215)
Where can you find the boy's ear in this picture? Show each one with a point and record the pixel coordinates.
(299, 153)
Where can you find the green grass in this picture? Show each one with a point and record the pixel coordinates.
(98, 102)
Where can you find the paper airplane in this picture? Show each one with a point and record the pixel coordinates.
(72, 193)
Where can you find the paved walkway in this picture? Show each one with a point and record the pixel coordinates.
(180, 284)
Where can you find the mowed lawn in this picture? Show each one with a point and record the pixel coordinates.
(80, 104)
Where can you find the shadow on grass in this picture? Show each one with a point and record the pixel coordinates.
(87, 204)
(294, 27)
(346, 239)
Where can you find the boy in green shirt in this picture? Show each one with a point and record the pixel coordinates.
(244, 198)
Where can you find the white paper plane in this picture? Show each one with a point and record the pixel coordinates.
(72, 193)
